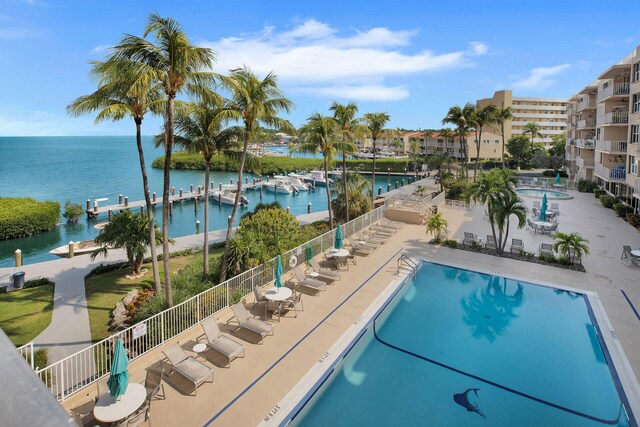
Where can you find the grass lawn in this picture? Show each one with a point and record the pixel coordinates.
(26, 313)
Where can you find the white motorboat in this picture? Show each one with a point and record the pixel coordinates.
(294, 181)
(79, 248)
(279, 186)
(316, 178)
(227, 196)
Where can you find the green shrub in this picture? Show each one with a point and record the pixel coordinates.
(72, 211)
(622, 210)
(105, 268)
(38, 282)
(552, 174)
(608, 201)
(563, 260)
(451, 243)
(23, 217)
(455, 187)
(586, 186)
(633, 219)
(3, 289)
(236, 297)
(548, 258)
(40, 358)
(598, 192)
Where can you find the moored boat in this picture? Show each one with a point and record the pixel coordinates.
(79, 248)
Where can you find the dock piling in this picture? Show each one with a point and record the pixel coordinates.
(309, 208)
(388, 187)
(170, 209)
(18, 258)
(229, 219)
(110, 213)
(211, 185)
(396, 185)
(197, 226)
(72, 248)
(95, 206)
(181, 193)
(288, 209)
(126, 201)
(154, 197)
(220, 186)
(120, 199)
(190, 188)
(231, 181)
(88, 204)
(379, 191)
(246, 179)
(195, 205)
(142, 210)
(173, 191)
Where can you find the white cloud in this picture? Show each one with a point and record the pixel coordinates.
(362, 92)
(100, 48)
(540, 78)
(317, 58)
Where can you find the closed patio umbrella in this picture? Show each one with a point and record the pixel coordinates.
(278, 272)
(119, 378)
(338, 243)
(558, 178)
(543, 208)
(308, 255)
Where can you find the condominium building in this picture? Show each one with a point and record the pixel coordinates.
(603, 130)
(548, 113)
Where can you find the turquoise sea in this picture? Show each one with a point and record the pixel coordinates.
(81, 168)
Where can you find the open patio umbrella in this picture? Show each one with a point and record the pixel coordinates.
(119, 378)
(338, 243)
(543, 208)
(558, 178)
(308, 255)
(278, 272)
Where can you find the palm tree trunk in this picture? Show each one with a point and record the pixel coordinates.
(373, 177)
(205, 248)
(475, 170)
(223, 268)
(165, 200)
(147, 198)
(344, 183)
(506, 235)
(463, 153)
(503, 164)
(328, 187)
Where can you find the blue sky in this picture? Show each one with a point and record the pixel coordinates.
(411, 59)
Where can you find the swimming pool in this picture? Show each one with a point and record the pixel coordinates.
(455, 347)
(533, 192)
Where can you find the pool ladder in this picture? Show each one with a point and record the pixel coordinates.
(409, 262)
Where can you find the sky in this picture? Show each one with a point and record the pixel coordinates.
(410, 59)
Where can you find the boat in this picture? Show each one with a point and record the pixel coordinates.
(294, 181)
(79, 248)
(280, 186)
(227, 197)
(317, 179)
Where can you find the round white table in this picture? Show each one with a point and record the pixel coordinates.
(109, 409)
(339, 252)
(199, 348)
(543, 223)
(635, 252)
(278, 295)
(313, 274)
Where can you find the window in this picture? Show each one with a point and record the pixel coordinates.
(635, 134)
(633, 165)
(636, 103)
(636, 72)
(497, 141)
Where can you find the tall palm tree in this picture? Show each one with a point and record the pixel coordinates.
(414, 146)
(357, 194)
(119, 96)
(533, 129)
(375, 123)
(321, 133)
(502, 116)
(572, 245)
(200, 129)
(345, 116)
(447, 135)
(505, 204)
(437, 161)
(177, 66)
(462, 118)
(483, 116)
(253, 102)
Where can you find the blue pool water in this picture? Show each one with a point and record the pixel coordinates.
(532, 192)
(529, 350)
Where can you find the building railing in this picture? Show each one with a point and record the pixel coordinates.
(613, 89)
(74, 372)
(26, 351)
(611, 146)
(585, 143)
(587, 123)
(636, 187)
(614, 118)
(587, 102)
(585, 163)
(611, 174)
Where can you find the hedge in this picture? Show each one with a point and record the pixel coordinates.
(24, 216)
(276, 165)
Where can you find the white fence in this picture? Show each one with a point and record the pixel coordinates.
(81, 369)
(26, 351)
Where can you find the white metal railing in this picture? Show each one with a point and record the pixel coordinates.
(81, 369)
(26, 351)
(456, 203)
(611, 174)
(636, 187)
(587, 102)
(584, 163)
(585, 143)
(438, 199)
(613, 118)
(611, 146)
(587, 123)
(613, 89)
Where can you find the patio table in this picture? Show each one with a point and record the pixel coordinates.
(110, 409)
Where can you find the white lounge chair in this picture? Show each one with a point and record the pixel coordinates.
(469, 239)
(188, 367)
(546, 249)
(324, 273)
(490, 243)
(219, 343)
(308, 282)
(517, 246)
(245, 321)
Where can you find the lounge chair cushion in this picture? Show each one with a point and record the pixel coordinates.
(227, 346)
(193, 369)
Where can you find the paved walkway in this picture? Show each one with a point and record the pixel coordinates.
(69, 330)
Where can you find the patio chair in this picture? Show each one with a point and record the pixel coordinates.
(469, 239)
(324, 273)
(308, 282)
(245, 321)
(261, 299)
(219, 343)
(296, 298)
(546, 249)
(382, 230)
(391, 224)
(534, 212)
(363, 250)
(371, 235)
(369, 241)
(188, 367)
(629, 257)
(491, 243)
(153, 384)
(517, 246)
(553, 228)
(141, 415)
(83, 414)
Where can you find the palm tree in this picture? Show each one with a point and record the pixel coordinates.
(375, 123)
(345, 115)
(397, 145)
(572, 246)
(128, 231)
(414, 146)
(437, 161)
(437, 226)
(503, 115)
(534, 130)
(447, 135)
(483, 116)
(462, 118)
(119, 96)
(253, 102)
(200, 129)
(321, 133)
(177, 66)
(505, 204)
(355, 200)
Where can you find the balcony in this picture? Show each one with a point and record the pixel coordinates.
(608, 174)
(587, 102)
(587, 123)
(614, 147)
(636, 188)
(584, 163)
(586, 143)
(614, 118)
(615, 89)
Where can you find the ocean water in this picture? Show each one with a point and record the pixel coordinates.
(81, 168)
(526, 355)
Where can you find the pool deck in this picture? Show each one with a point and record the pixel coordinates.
(245, 393)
